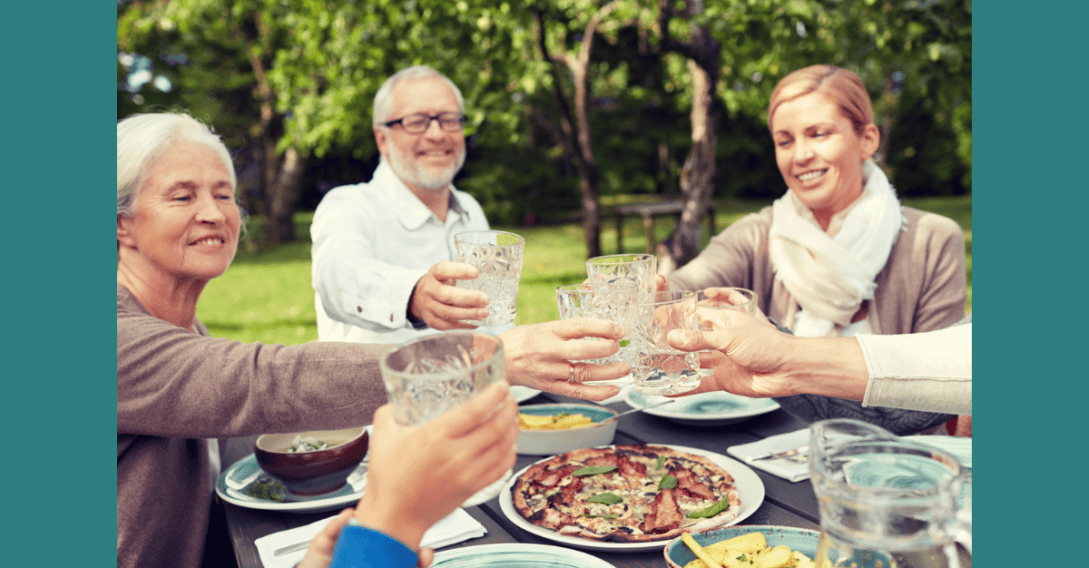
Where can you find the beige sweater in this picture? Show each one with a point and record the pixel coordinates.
(923, 286)
(175, 388)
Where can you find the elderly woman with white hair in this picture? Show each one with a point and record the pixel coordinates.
(178, 227)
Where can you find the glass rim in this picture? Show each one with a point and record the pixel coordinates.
(458, 237)
(616, 258)
(595, 287)
(384, 361)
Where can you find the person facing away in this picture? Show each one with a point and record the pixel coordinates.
(382, 251)
(837, 255)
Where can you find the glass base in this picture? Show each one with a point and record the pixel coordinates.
(666, 389)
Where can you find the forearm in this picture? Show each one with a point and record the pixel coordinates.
(833, 366)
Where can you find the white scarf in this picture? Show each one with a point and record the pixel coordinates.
(831, 277)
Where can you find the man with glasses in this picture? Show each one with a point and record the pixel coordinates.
(382, 251)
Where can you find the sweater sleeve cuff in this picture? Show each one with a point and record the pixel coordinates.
(361, 546)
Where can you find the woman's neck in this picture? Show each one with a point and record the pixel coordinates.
(171, 301)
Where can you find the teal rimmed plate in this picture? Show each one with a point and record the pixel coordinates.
(246, 467)
(677, 553)
(704, 409)
(516, 555)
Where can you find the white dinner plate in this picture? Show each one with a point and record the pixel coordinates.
(748, 484)
(522, 394)
(705, 409)
(516, 555)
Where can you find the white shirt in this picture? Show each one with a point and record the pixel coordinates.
(921, 371)
(372, 243)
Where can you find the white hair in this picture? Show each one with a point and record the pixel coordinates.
(383, 100)
(143, 138)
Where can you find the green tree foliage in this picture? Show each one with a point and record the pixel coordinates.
(297, 77)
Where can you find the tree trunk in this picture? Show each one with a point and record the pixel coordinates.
(698, 172)
(282, 193)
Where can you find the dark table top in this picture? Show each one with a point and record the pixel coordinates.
(785, 503)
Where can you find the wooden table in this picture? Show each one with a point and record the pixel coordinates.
(648, 211)
(785, 503)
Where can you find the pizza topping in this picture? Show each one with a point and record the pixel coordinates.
(664, 513)
(710, 511)
(606, 498)
(667, 482)
(691, 485)
(593, 470)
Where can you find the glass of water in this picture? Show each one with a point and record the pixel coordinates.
(659, 369)
(428, 376)
(498, 256)
(618, 305)
(617, 270)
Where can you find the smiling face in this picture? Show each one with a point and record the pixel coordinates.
(819, 153)
(185, 222)
(427, 161)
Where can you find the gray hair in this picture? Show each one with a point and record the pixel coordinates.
(383, 100)
(143, 138)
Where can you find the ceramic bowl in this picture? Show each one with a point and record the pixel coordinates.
(316, 472)
(550, 442)
(677, 553)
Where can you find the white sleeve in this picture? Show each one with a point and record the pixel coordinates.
(929, 371)
(353, 285)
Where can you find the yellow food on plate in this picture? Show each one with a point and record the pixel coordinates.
(561, 421)
(749, 550)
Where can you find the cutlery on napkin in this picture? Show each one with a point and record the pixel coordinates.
(285, 549)
(774, 455)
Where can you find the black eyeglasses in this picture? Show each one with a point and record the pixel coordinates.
(418, 123)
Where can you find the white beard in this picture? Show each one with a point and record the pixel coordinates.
(411, 172)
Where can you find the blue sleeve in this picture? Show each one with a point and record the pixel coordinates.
(360, 547)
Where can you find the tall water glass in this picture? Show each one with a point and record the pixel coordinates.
(430, 375)
(884, 501)
(618, 305)
(660, 369)
(498, 256)
(618, 270)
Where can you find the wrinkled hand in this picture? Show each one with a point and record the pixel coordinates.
(441, 304)
(746, 355)
(543, 355)
(416, 475)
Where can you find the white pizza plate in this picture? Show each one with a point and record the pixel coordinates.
(516, 555)
(522, 394)
(749, 488)
(704, 409)
(346, 496)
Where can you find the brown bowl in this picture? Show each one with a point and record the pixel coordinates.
(316, 472)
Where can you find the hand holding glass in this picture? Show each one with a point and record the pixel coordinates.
(428, 376)
(659, 369)
(498, 256)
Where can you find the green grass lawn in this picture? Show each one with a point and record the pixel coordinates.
(266, 296)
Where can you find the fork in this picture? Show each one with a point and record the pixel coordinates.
(798, 455)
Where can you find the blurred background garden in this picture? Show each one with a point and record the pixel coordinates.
(574, 107)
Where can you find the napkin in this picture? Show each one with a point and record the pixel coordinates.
(454, 528)
(789, 470)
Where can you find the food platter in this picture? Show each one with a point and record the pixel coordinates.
(705, 409)
(516, 555)
(247, 468)
(230, 487)
(748, 484)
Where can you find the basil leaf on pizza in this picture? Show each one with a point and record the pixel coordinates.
(631, 493)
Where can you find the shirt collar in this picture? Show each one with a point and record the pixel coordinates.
(407, 207)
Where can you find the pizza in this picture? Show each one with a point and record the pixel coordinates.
(632, 493)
